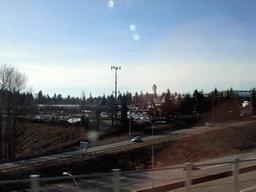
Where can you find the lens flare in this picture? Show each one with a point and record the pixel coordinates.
(111, 3)
(136, 37)
(132, 27)
(93, 136)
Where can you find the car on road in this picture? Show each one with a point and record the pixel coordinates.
(137, 139)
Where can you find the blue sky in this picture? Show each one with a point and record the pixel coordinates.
(68, 46)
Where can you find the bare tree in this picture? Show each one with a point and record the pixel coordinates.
(11, 83)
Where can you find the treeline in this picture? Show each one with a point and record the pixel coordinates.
(198, 104)
(184, 104)
(40, 98)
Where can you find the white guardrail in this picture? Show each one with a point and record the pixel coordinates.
(187, 183)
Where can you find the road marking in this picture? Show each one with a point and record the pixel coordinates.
(121, 178)
(248, 189)
(214, 166)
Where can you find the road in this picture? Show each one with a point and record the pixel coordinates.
(133, 181)
(98, 149)
(247, 183)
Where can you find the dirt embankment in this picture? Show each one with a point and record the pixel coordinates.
(219, 141)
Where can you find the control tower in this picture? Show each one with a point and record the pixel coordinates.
(154, 89)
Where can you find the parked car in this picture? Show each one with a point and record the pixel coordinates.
(137, 139)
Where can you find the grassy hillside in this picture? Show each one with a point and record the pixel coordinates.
(37, 138)
(34, 138)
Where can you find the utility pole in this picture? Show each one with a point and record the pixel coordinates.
(116, 68)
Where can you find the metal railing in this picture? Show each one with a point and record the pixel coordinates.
(185, 183)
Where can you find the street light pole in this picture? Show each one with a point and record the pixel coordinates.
(153, 154)
(152, 124)
(116, 68)
(66, 173)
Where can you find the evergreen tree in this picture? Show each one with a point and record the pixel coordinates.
(40, 97)
(199, 102)
(91, 98)
(215, 92)
(253, 98)
(147, 97)
(59, 99)
(187, 105)
(103, 100)
(111, 108)
(167, 107)
(129, 98)
(136, 99)
(178, 105)
(231, 94)
(124, 110)
(153, 111)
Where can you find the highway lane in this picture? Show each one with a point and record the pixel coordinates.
(163, 177)
(247, 183)
(96, 149)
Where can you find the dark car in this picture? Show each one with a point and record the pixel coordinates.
(137, 139)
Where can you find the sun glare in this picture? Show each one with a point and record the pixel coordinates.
(111, 3)
(132, 27)
(136, 37)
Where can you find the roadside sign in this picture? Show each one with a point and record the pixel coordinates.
(84, 146)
